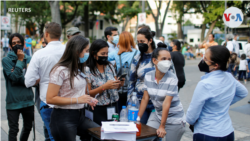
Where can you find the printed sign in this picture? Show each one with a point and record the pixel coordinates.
(5, 23)
(233, 17)
(142, 18)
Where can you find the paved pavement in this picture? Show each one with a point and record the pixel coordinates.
(239, 112)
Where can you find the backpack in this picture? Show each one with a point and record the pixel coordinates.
(125, 69)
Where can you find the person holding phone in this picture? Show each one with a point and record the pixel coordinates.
(102, 82)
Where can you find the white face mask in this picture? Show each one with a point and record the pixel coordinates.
(164, 65)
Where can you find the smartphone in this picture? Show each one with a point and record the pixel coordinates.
(122, 76)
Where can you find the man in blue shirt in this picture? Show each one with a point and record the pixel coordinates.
(28, 45)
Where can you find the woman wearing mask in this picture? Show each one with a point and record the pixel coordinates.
(179, 63)
(140, 66)
(123, 58)
(102, 81)
(217, 90)
(67, 91)
(161, 86)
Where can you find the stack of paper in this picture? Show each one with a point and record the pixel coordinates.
(125, 131)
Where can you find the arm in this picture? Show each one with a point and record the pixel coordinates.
(144, 103)
(32, 74)
(241, 92)
(197, 103)
(132, 78)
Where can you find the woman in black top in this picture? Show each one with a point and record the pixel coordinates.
(179, 63)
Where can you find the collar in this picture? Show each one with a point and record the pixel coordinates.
(54, 42)
(164, 78)
(211, 74)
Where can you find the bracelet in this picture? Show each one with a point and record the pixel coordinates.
(77, 100)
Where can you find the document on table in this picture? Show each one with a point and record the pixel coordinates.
(111, 127)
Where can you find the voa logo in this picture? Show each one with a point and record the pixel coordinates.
(233, 17)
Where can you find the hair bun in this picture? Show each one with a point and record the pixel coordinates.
(162, 45)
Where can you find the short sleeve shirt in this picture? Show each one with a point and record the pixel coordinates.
(243, 65)
(60, 76)
(108, 96)
(157, 93)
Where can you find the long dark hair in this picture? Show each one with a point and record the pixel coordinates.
(156, 52)
(18, 36)
(70, 58)
(177, 43)
(148, 35)
(95, 47)
(220, 55)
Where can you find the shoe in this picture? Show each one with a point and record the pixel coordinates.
(249, 101)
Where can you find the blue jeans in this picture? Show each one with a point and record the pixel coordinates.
(188, 54)
(248, 74)
(150, 107)
(202, 137)
(45, 114)
(230, 69)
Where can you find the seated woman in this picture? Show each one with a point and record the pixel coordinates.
(189, 53)
(160, 85)
(213, 95)
(102, 81)
(67, 91)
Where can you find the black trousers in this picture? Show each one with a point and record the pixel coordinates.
(180, 85)
(65, 124)
(13, 118)
(100, 112)
(122, 101)
(243, 74)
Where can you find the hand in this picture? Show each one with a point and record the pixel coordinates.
(20, 55)
(234, 69)
(84, 99)
(122, 81)
(248, 71)
(161, 132)
(93, 103)
(111, 84)
(12, 69)
(26, 47)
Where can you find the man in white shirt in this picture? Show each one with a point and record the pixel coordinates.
(40, 66)
(237, 48)
(5, 45)
(112, 37)
(230, 44)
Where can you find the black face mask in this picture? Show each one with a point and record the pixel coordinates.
(102, 60)
(203, 66)
(16, 47)
(143, 47)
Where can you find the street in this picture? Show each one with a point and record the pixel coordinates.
(239, 112)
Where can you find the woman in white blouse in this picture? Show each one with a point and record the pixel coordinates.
(67, 91)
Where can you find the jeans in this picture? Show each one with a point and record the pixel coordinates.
(202, 137)
(5, 50)
(248, 74)
(13, 118)
(243, 74)
(45, 114)
(67, 123)
(150, 107)
(189, 54)
(230, 69)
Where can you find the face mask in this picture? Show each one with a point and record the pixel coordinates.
(16, 47)
(204, 67)
(238, 38)
(116, 39)
(85, 58)
(102, 60)
(164, 65)
(143, 47)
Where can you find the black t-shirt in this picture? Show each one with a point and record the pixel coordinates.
(179, 63)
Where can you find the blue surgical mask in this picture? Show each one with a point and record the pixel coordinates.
(85, 58)
(238, 38)
(116, 39)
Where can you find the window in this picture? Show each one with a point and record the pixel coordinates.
(198, 39)
(191, 40)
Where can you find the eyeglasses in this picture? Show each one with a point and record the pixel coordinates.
(14, 43)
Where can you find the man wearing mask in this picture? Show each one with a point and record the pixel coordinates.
(112, 37)
(40, 66)
(28, 45)
(237, 48)
(19, 99)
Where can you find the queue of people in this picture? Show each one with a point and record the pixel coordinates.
(79, 78)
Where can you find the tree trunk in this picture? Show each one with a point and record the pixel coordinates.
(86, 19)
(203, 29)
(55, 12)
(125, 24)
(135, 38)
(210, 29)
(179, 31)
